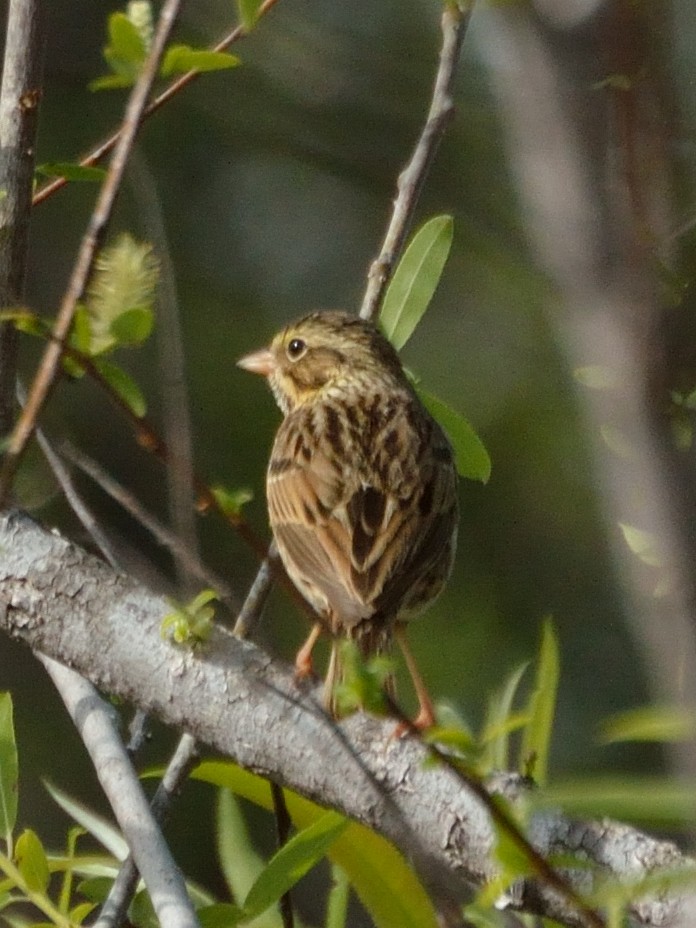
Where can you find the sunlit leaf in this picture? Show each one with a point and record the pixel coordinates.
(385, 884)
(470, 454)
(650, 723)
(536, 740)
(415, 280)
(124, 386)
(182, 58)
(248, 13)
(31, 861)
(9, 769)
(71, 171)
(293, 861)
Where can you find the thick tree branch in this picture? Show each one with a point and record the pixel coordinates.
(230, 695)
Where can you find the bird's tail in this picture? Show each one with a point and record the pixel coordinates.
(348, 684)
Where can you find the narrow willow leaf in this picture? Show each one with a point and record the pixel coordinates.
(337, 907)
(293, 861)
(667, 724)
(9, 769)
(248, 13)
(182, 58)
(240, 863)
(536, 740)
(104, 832)
(415, 280)
(124, 386)
(71, 171)
(32, 862)
(219, 915)
(654, 801)
(470, 454)
(384, 883)
(495, 730)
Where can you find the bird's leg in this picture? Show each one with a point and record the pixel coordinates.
(426, 710)
(303, 658)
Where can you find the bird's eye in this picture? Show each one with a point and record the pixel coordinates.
(296, 348)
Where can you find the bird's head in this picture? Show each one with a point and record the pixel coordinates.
(321, 353)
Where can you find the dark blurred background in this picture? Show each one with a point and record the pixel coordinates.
(273, 184)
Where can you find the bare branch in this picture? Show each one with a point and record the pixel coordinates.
(96, 724)
(49, 367)
(19, 102)
(114, 909)
(233, 697)
(411, 179)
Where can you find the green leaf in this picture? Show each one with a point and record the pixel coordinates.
(667, 724)
(9, 770)
(71, 171)
(248, 13)
(498, 715)
(104, 832)
(32, 862)
(542, 704)
(646, 800)
(134, 326)
(231, 502)
(240, 863)
(337, 907)
(415, 280)
(219, 915)
(182, 58)
(470, 454)
(125, 53)
(124, 386)
(293, 861)
(384, 883)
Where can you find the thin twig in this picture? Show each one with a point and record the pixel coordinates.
(94, 720)
(257, 597)
(19, 102)
(49, 367)
(157, 529)
(411, 179)
(75, 501)
(183, 760)
(101, 150)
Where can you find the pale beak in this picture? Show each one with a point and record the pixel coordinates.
(258, 362)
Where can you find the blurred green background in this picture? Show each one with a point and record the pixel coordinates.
(274, 182)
